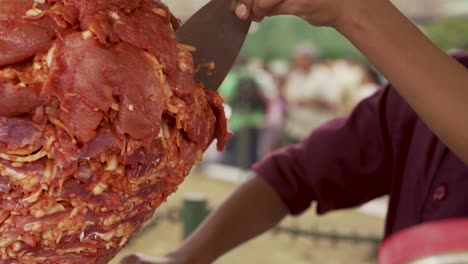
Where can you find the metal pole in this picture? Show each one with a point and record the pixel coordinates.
(194, 211)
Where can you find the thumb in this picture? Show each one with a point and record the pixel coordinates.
(244, 9)
(255, 10)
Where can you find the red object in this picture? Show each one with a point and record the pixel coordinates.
(100, 121)
(431, 239)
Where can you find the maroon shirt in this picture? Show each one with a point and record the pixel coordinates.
(382, 148)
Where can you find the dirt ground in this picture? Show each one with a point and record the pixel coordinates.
(268, 248)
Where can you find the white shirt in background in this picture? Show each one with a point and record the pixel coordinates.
(319, 83)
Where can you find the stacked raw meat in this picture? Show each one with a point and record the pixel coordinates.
(100, 121)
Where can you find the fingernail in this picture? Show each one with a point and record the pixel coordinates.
(242, 12)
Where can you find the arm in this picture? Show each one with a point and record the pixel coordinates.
(252, 209)
(344, 163)
(436, 86)
(430, 81)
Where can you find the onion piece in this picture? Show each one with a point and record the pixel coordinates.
(23, 151)
(186, 47)
(30, 158)
(58, 123)
(50, 54)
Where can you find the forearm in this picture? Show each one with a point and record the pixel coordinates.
(252, 209)
(434, 84)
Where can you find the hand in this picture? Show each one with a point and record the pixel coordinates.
(316, 12)
(140, 259)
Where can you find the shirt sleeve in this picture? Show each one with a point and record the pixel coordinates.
(342, 164)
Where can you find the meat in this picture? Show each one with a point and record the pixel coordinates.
(101, 120)
(19, 41)
(15, 100)
(16, 133)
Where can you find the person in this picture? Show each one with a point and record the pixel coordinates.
(357, 81)
(311, 93)
(369, 84)
(244, 96)
(409, 140)
(349, 75)
(393, 44)
(270, 136)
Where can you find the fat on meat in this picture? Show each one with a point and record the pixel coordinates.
(101, 120)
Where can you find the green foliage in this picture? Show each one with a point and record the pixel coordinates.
(277, 36)
(449, 33)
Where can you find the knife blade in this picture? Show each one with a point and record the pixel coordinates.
(218, 35)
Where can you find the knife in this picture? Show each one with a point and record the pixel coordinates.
(218, 35)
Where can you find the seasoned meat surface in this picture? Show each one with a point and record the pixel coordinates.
(101, 120)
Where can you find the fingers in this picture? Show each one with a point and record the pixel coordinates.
(131, 259)
(255, 10)
(140, 259)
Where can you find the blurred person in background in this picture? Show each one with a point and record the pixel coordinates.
(370, 83)
(270, 135)
(349, 75)
(356, 81)
(311, 93)
(245, 98)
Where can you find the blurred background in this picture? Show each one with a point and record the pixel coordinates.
(289, 78)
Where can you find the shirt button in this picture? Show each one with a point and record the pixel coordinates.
(440, 192)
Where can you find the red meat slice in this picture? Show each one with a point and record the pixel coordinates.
(16, 99)
(10, 9)
(20, 41)
(17, 133)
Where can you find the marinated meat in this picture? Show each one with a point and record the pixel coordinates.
(101, 120)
